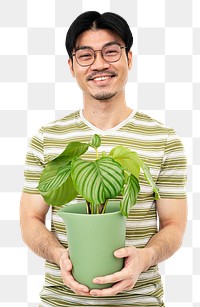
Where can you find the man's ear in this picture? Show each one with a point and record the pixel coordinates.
(70, 63)
(130, 60)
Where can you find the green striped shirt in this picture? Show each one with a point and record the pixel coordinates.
(160, 149)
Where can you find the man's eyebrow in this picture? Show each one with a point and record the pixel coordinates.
(90, 47)
(83, 47)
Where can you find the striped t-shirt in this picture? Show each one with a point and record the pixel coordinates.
(160, 149)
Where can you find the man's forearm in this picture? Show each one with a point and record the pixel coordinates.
(164, 244)
(172, 215)
(41, 241)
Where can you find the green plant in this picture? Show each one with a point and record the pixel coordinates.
(96, 181)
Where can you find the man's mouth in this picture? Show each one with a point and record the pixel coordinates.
(100, 77)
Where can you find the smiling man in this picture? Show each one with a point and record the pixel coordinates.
(100, 61)
(100, 57)
(101, 82)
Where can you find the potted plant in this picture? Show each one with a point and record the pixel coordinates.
(109, 186)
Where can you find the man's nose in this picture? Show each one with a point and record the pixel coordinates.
(99, 62)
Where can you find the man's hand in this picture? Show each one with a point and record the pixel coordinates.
(135, 262)
(68, 280)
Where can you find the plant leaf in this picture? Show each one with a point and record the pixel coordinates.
(127, 158)
(62, 195)
(130, 194)
(55, 183)
(96, 141)
(132, 162)
(54, 179)
(52, 168)
(74, 149)
(97, 180)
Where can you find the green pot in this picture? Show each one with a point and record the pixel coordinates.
(92, 240)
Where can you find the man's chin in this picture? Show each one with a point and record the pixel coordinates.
(104, 96)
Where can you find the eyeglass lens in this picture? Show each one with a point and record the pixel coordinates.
(110, 53)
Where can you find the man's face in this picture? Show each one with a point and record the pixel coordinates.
(101, 80)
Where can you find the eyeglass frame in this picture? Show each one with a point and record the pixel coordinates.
(106, 45)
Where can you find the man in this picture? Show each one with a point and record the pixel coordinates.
(100, 58)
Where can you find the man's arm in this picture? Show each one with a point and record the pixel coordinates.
(33, 212)
(172, 215)
(172, 218)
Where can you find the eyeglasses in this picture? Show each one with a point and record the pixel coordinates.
(85, 56)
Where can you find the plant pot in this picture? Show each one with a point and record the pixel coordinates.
(92, 240)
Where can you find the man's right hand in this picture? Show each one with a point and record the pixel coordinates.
(68, 279)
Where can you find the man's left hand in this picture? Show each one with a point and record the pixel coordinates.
(135, 263)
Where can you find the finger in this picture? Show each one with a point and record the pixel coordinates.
(112, 278)
(119, 287)
(67, 265)
(69, 281)
(65, 262)
(125, 252)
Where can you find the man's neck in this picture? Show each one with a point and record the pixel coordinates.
(105, 115)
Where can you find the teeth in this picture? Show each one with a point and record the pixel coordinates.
(101, 78)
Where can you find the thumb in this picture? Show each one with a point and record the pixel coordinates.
(124, 252)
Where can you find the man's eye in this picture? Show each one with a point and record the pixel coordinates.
(85, 55)
(111, 52)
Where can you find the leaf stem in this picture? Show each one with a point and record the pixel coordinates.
(88, 207)
(104, 207)
(92, 208)
(97, 153)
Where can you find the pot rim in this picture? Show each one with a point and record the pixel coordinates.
(62, 210)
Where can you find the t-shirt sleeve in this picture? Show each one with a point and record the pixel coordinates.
(34, 163)
(173, 174)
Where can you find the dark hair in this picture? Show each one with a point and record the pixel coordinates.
(95, 20)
